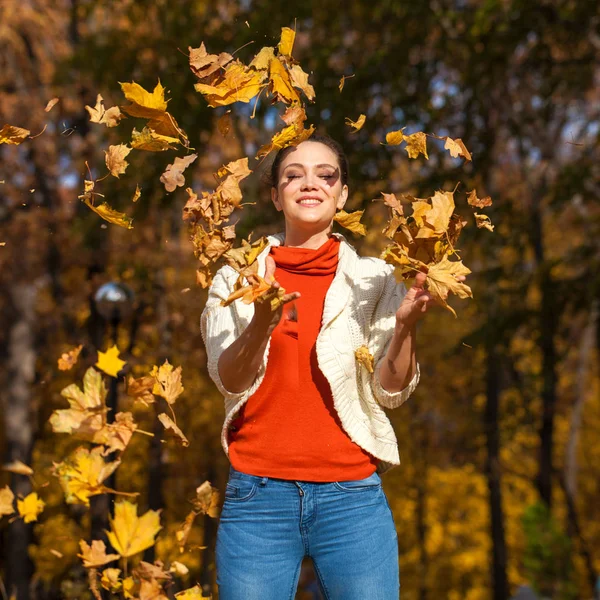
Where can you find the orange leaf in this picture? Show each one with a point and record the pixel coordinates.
(95, 555)
(351, 221)
(13, 135)
(69, 359)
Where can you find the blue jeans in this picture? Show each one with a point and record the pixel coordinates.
(268, 525)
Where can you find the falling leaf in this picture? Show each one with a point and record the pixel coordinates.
(117, 435)
(442, 279)
(109, 361)
(193, 593)
(224, 124)
(13, 135)
(173, 175)
(86, 414)
(416, 143)
(456, 147)
(351, 221)
(136, 194)
(168, 423)
(111, 580)
(69, 359)
(56, 553)
(149, 571)
(204, 64)
(394, 138)
(81, 474)
(262, 60)
(51, 104)
(6, 501)
(111, 215)
(237, 84)
(95, 556)
(286, 43)
(206, 501)
(115, 159)
(16, 466)
(483, 221)
(143, 103)
(99, 114)
(178, 568)
(168, 382)
(358, 124)
(281, 83)
(141, 389)
(473, 200)
(30, 507)
(437, 217)
(294, 115)
(343, 81)
(289, 136)
(365, 358)
(183, 533)
(130, 534)
(149, 140)
(300, 80)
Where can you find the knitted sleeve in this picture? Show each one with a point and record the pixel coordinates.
(220, 328)
(382, 330)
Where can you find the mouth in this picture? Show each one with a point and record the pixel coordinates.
(309, 201)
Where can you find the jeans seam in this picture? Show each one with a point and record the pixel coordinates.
(294, 587)
(321, 580)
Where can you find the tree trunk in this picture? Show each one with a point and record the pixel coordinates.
(492, 468)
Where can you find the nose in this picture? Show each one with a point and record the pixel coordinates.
(309, 182)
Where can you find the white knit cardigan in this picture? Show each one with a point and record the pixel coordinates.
(360, 308)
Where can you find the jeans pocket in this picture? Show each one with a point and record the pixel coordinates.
(240, 490)
(372, 482)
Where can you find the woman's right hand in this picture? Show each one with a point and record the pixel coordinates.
(264, 317)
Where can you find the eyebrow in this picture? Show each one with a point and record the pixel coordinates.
(302, 166)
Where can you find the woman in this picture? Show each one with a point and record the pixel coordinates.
(305, 430)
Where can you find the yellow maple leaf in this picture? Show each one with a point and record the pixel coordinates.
(130, 534)
(115, 159)
(149, 140)
(300, 80)
(437, 218)
(81, 474)
(109, 117)
(168, 423)
(358, 124)
(168, 382)
(109, 361)
(292, 135)
(30, 507)
(9, 134)
(365, 358)
(111, 580)
(351, 221)
(95, 556)
(87, 409)
(143, 103)
(286, 42)
(416, 143)
(6, 501)
(262, 60)
(442, 279)
(239, 84)
(193, 593)
(281, 84)
(69, 359)
(18, 467)
(394, 138)
(104, 210)
(117, 435)
(456, 148)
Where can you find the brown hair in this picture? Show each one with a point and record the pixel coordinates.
(271, 176)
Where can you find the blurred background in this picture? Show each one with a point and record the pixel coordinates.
(499, 485)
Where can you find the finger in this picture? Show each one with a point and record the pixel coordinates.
(419, 282)
(269, 268)
(290, 297)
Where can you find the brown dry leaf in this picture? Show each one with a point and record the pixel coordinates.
(95, 556)
(115, 159)
(441, 280)
(10, 134)
(87, 412)
(365, 358)
(483, 221)
(294, 115)
(117, 435)
(111, 215)
(224, 124)
(393, 202)
(473, 200)
(18, 467)
(150, 589)
(300, 80)
(69, 359)
(281, 83)
(81, 474)
(183, 533)
(168, 382)
(149, 140)
(343, 81)
(456, 148)
(99, 114)
(130, 534)
(394, 138)
(292, 135)
(148, 571)
(6, 501)
(358, 124)
(238, 84)
(416, 143)
(136, 194)
(203, 277)
(168, 423)
(206, 501)
(51, 104)
(141, 389)
(173, 175)
(351, 221)
(286, 42)
(203, 64)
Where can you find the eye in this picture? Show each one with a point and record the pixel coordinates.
(326, 176)
(293, 176)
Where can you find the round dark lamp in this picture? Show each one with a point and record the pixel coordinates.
(114, 301)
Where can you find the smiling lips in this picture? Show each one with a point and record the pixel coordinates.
(309, 201)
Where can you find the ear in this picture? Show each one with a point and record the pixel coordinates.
(342, 199)
(275, 199)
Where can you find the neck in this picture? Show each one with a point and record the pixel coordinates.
(305, 239)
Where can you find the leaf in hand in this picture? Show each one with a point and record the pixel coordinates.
(351, 221)
(442, 279)
(173, 175)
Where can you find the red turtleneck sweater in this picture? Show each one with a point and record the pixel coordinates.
(289, 428)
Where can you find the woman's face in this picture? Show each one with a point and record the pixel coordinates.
(309, 190)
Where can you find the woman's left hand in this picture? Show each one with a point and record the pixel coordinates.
(416, 302)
